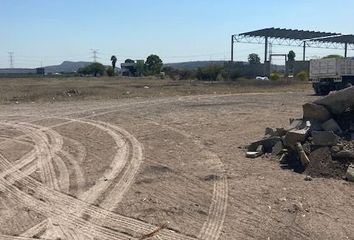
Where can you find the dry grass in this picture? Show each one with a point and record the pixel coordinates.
(58, 89)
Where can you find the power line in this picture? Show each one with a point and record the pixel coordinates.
(94, 52)
(11, 59)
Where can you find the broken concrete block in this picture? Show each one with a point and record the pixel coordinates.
(294, 136)
(350, 173)
(344, 154)
(332, 125)
(302, 155)
(339, 101)
(259, 152)
(315, 112)
(324, 138)
(278, 148)
(295, 124)
(253, 154)
(267, 143)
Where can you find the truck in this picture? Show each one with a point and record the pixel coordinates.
(331, 74)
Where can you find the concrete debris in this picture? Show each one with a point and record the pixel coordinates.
(321, 144)
(315, 112)
(338, 102)
(324, 138)
(332, 125)
(350, 173)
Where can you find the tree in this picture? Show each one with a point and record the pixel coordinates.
(291, 55)
(93, 69)
(332, 56)
(253, 58)
(114, 61)
(153, 65)
(129, 61)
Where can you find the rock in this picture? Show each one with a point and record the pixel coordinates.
(295, 124)
(267, 143)
(278, 148)
(296, 135)
(308, 178)
(259, 152)
(315, 112)
(332, 125)
(324, 138)
(339, 101)
(350, 173)
(303, 157)
(344, 154)
(253, 154)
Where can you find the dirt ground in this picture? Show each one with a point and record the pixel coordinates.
(123, 169)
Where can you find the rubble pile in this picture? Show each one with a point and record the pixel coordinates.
(318, 145)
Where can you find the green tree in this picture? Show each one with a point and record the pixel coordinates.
(93, 69)
(131, 67)
(291, 55)
(332, 56)
(253, 58)
(129, 61)
(153, 65)
(114, 61)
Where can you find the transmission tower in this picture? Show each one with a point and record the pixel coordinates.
(94, 52)
(11, 59)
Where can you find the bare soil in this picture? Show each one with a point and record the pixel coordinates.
(121, 169)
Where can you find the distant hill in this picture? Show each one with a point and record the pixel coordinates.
(66, 67)
(193, 65)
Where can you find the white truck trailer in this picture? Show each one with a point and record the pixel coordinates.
(331, 74)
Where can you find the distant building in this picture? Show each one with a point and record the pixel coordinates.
(22, 71)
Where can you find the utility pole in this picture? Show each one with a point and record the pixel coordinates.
(11, 59)
(94, 52)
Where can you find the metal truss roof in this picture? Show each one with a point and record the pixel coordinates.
(288, 34)
(339, 39)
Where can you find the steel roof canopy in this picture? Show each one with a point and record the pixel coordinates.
(283, 33)
(339, 39)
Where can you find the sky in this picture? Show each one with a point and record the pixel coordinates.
(47, 32)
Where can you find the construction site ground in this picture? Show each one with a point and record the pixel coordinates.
(161, 167)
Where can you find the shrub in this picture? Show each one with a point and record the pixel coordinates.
(110, 71)
(274, 76)
(303, 76)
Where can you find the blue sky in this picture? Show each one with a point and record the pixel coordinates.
(50, 31)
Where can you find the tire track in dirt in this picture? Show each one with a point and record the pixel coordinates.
(151, 228)
(217, 187)
(212, 228)
(63, 206)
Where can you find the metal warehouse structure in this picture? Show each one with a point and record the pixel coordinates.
(289, 37)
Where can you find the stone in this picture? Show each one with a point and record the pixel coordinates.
(278, 148)
(332, 125)
(338, 102)
(324, 138)
(267, 143)
(259, 152)
(312, 111)
(296, 135)
(308, 178)
(344, 154)
(253, 154)
(350, 173)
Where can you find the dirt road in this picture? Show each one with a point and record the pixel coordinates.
(122, 169)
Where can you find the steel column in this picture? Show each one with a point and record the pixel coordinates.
(232, 48)
(346, 50)
(304, 52)
(266, 50)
